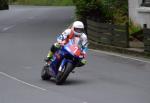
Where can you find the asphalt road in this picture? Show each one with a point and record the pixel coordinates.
(26, 33)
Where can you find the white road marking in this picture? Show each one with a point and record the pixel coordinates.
(119, 55)
(7, 28)
(11, 77)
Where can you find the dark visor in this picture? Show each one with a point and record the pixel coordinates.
(79, 30)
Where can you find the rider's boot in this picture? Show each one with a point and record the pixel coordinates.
(84, 61)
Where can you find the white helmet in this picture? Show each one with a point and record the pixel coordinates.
(78, 28)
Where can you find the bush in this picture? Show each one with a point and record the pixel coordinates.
(104, 10)
(135, 31)
(85, 8)
(116, 10)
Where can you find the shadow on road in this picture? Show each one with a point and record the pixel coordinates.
(69, 82)
(75, 82)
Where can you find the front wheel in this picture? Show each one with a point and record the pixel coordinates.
(45, 75)
(62, 76)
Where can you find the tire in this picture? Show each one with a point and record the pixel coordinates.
(62, 76)
(45, 75)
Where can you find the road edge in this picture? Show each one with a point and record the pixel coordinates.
(126, 51)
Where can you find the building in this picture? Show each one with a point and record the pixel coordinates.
(139, 12)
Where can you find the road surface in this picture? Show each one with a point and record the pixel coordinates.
(26, 33)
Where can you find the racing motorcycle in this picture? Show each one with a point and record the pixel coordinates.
(63, 62)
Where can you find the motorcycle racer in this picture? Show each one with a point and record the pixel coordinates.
(76, 30)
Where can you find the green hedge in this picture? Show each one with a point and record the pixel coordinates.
(86, 8)
(104, 10)
(43, 2)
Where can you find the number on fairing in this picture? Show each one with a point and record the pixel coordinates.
(75, 50)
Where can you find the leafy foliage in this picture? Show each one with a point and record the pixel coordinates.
(104, 10)
(86, 8)
(42, 2)
(117, 10)
(135, 31)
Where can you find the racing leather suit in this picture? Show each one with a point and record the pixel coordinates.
(64, 37)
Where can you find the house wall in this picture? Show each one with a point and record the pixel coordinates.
(138, 14)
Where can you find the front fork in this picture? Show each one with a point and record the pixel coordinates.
(63, 64)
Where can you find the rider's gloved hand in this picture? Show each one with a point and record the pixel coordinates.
(83, 60)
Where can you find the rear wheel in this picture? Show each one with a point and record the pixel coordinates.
(62, 76)
(45, 75)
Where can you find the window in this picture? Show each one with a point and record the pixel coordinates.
(146, 3)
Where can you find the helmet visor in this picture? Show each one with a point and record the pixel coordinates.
(79, 30)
